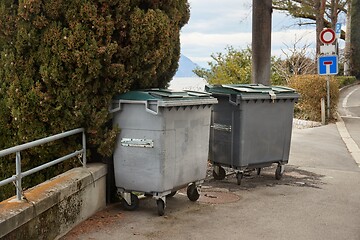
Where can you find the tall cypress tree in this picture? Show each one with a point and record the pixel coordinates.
(62, 61)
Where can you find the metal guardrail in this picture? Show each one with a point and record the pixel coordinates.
(17, 149)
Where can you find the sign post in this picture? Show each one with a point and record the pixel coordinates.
(328, 96)
(328, 63)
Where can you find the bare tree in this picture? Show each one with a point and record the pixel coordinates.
(320, 12)
(297, 60)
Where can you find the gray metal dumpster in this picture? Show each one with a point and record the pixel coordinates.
(163, 144)
(250, 128)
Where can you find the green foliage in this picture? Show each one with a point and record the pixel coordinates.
(345, 80)
(62, 61)
(312, 88)
(233, 67)
(305, 9)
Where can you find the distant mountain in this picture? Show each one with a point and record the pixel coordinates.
(186, 67)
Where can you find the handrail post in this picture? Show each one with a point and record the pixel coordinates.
(18, 177)
(84, 148)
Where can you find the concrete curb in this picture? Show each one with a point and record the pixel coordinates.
(349, 142)
(346, 137)
(301, 124)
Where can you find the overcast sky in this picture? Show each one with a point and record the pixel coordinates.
(215, 24)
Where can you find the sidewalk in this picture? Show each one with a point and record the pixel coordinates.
(317, 198)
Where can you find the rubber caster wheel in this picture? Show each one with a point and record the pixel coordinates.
(221, 174)
(160, 207)
(258, 171)
(192, 193)
(239, 177)
(279, 172)
(134, 203)
(171, 194)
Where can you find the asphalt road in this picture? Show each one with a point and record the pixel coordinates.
(317, 198)
(349, 110)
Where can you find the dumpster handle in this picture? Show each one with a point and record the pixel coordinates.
(148, 109)
(147, 106)
(231, 97)
(118, 108)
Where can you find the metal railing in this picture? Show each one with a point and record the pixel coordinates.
(17, 149)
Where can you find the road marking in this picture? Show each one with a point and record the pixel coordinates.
(345, 100)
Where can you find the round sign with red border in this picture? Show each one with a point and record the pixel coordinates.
(327, 36)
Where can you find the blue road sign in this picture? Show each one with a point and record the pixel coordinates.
(328, 65)
(338, 28)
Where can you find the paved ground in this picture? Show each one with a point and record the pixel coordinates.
(349, 109)
(317, 198)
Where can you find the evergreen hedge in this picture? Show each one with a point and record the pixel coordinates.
(312, 88)
(62, 61)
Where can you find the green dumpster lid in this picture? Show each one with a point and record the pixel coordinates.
(155, 98)
(252, 91)
(161, 94)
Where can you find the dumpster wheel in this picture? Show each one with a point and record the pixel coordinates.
(134, 203)
(219, 173)
(279, 171)
(160, 207)
(239, 176)
(192, 192)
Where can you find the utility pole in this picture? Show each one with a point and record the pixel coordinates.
(261, 41)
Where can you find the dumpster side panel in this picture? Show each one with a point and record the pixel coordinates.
(288, 123)
(221, 131)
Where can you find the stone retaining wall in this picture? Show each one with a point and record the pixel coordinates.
(54, 207)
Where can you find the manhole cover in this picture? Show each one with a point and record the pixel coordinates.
(218, 197)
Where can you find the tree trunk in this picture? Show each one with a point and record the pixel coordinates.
(347, 51)
(261, 41)
(333, 14)
(355, 38)
(320, 6)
